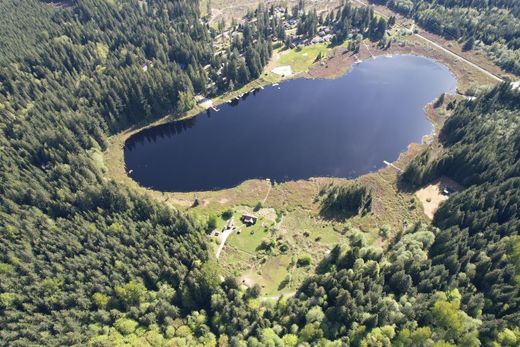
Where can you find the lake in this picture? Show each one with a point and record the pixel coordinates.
(302, 128)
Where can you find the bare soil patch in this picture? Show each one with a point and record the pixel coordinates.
(432, 195)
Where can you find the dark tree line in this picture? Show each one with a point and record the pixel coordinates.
(345, 201)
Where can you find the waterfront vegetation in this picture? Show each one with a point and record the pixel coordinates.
(87, 257)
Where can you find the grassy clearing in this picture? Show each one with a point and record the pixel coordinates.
(300, 59)
(249, 238)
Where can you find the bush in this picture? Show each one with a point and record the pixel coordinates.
(279, 215)
(384, 231)
(227, 214)
(258, 206)
(304, 260)
(212, 222)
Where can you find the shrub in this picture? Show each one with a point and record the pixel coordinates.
(258, 206)
(212, 222)
(227, 214)
(304, 260)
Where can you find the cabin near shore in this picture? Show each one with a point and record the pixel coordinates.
(248, 219)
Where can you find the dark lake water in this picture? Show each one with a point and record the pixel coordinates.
(300, 129)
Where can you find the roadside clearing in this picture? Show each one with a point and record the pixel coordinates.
(461, 58)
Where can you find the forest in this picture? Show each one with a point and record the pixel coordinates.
(490, 25)
(77, 252)
(86, 261)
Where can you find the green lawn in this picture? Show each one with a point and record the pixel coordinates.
(249, 238)
(301, 59)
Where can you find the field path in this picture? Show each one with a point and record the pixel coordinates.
(267, 194)
(223, 237)
(278, 296)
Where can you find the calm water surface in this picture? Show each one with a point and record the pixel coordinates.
(303, 128)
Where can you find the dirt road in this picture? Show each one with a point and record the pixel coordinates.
(223, 237)
(490, 74)
(461, 58)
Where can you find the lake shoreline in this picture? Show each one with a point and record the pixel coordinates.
(379, 128)
(115, 151)
(113, 163)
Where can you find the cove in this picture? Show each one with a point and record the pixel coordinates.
(302, 128)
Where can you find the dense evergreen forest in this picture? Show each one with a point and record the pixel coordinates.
(492, 25)
(78, 252)
(86, 261)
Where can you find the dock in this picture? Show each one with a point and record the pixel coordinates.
(392, 165)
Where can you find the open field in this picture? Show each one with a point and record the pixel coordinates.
(289, 223)
(301, 59)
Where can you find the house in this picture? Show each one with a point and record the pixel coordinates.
(248, 219)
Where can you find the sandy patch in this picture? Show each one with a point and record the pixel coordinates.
(432, 195)
(285, 70)
(206, 103)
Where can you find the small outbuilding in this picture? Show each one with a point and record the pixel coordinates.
(248, 219)
(447, 191)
